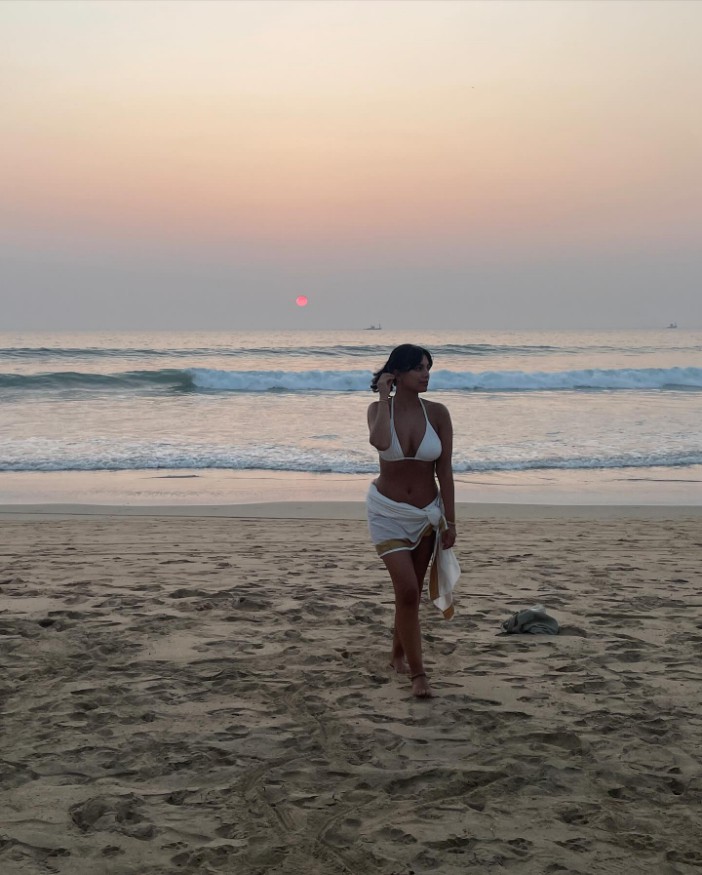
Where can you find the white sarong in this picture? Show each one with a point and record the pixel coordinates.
(395, 526)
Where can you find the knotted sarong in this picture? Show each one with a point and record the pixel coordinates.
(394, 526)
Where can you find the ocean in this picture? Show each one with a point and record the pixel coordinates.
(523, 404)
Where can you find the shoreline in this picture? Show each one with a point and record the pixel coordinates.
(206, 488)
(345, 510)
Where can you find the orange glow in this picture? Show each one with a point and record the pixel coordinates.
(485, 123)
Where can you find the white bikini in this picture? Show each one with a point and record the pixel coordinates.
(428, 451)
(396, 526)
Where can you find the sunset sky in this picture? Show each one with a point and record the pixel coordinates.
(468, 164)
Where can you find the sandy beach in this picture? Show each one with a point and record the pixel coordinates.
(193, 693)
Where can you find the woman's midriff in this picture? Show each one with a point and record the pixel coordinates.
(409, 481)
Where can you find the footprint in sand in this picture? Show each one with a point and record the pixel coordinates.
(121, 814)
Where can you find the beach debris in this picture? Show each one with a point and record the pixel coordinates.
(533, 621)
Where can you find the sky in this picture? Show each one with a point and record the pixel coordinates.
(497, 164)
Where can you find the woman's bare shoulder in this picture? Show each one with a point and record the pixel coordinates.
(436, 407)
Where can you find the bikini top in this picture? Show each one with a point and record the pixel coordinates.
(428, 451)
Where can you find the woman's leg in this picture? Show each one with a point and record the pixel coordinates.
(403, 567)
(420, 560)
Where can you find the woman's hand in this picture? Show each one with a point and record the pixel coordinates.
(385, 382)
(448, 537)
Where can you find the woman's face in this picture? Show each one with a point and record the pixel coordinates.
(416, 379)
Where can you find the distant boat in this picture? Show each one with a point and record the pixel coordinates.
(673, 325)
(374, 327)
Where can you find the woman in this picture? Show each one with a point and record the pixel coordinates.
(410, 520)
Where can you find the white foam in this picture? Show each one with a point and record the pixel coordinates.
(284, 381)
(57, 455)
(485, 381)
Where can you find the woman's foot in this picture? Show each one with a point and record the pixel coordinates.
(399, 663)
(420, 686)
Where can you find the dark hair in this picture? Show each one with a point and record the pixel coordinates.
(403, 358)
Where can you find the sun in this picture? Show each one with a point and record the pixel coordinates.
(301, 300)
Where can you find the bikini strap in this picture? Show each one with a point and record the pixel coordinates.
(425, 411)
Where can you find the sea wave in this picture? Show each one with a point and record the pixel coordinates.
(155, 456)
(169, 378)
(370, 351)
(212, 380)
(364, 350)
(586, 379)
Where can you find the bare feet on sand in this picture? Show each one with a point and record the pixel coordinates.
(420, 686)
(399, 663)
